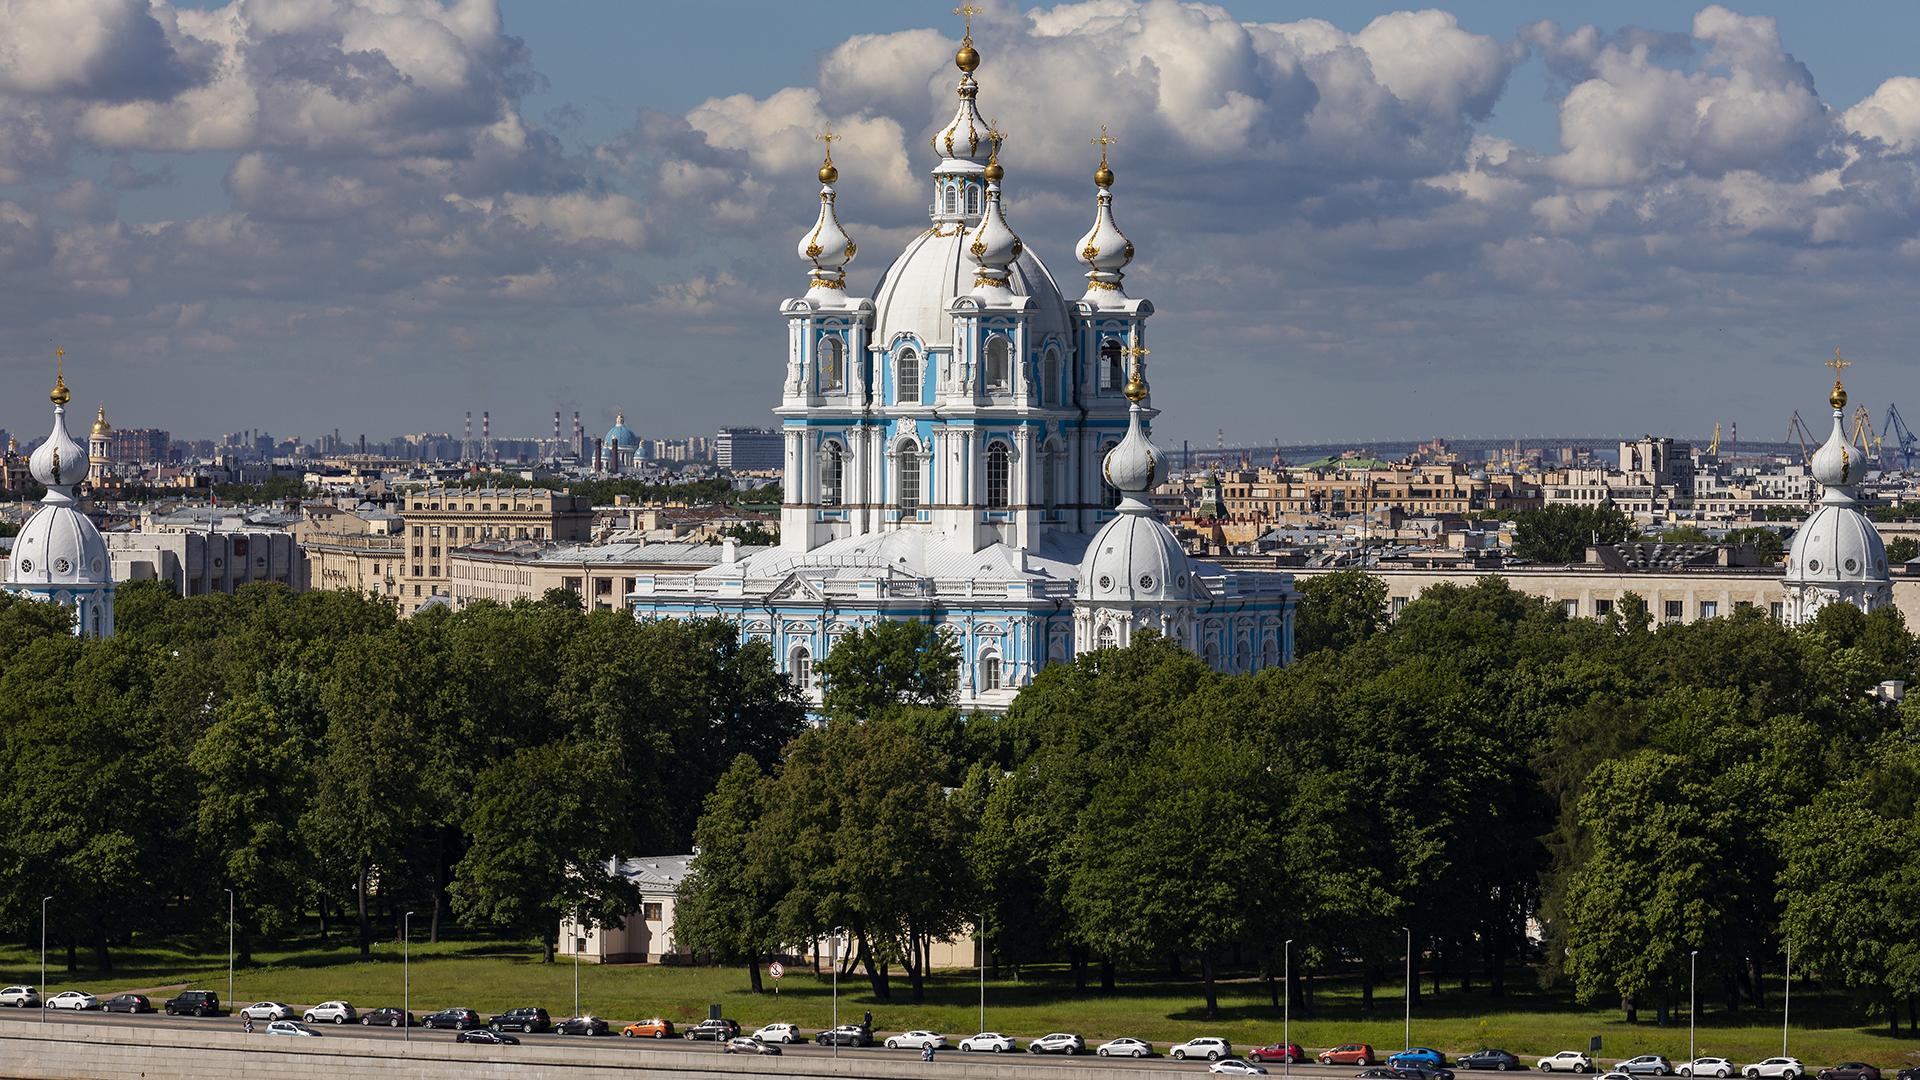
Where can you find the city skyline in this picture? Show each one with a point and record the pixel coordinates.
(1390, 224)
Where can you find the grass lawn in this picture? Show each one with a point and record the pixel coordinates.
(496, 975)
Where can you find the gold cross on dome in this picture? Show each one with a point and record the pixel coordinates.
(829, 138)
(1103, 140)
(1838, 363)
(995, 136)
(967, 12)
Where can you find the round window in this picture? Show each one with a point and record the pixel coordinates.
(96, 566)
(1181, 581)
(1106, 582)
(26, 565)
(1146, 581)
(61, 566)
(1852, 566)
(1813, 566)
(217, 561)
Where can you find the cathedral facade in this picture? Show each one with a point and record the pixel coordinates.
(969, 447)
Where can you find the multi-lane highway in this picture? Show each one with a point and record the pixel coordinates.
(675, 1045)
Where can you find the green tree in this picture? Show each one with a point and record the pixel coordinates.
(545, 845)
(1902, 549)
(1338, 610)
(1562, 533)
(1767, 544)
(726, 904)
(252, 780)
(889, 665)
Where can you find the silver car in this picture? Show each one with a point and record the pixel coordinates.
(1059, 1042)
(268, 1010)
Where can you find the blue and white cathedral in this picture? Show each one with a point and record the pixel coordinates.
(59, 555)
(969, 447)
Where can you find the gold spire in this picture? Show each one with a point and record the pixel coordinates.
(60, 395)
(828, 174)
(994, 172)
(967, 58)
(100, 425)
(1136, 388)
(1838, 399)
(1103, 177)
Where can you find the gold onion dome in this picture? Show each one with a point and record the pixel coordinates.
(100, 425)
(1838, 399)
(968, 58)
(828, 174)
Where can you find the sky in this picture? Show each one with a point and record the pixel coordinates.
(1355, 220)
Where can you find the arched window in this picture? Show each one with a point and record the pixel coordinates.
(833, 363)
(989, 672)
(1104, 640)
(1050, 478)
(1113, 368)
(1109, 495)
(907, 468)
(999, 476)
(800, 666)
(999, 364)
(1050, 378)
(973, 199)
(833, 474)
(906, 377)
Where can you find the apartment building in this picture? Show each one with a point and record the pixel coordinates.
(438, 520)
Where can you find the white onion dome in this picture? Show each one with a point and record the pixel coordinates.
(994, 246)
(1835, 464)
(59, 462)
(826, 246)
(965, 136)
(1135, 466)
(1104, 250)
(916, 293)
(1838, 545)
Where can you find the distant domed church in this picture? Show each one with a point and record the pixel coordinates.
(970, 447)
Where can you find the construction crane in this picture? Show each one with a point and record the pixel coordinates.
(1797, 429)
(1904, 442)
(1863, 436)
(1713, 450)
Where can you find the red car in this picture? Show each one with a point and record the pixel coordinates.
(1351, 1054)
(1286, 1053)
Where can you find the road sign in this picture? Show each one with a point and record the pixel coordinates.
(1593, 1045)
(774, 969)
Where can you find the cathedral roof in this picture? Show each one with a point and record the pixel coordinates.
(915, 293)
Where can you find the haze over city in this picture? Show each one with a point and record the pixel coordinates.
(1355, 221)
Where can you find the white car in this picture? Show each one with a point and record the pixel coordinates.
(331, 1012)
(289, 1027)
(1717, 1067)
(20, 997)
(77, 1000)
(1124, 1047)
(777, 1033)
(1206, 1046)
(990, 1041)
(917, 1040)
(1783, 1067)
(268, 1010)
(1567, 1061)
(1059, 1042)
(1236, 1067)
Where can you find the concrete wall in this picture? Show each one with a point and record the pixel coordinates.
(104, 1051)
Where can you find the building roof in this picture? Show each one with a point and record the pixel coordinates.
(655, 872)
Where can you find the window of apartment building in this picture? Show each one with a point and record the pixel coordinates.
(602, 586)
(416, 590)
(650, 912)
(433, 552)
(469, 532)
(1571, 607)
(1709, 609)
(1602, 608)
(1399, 605)
(523, 532)
(628, 586)
(1742, 605)
(539, 532)
(419, 530)
(434, 531)
(433, 569)
(572, 584)
(416, 571)
(1777, 609)
(1674, 609)
(416, 551)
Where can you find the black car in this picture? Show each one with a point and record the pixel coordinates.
(1907, 1074)
(1851, 1070)
(388, 1017)
(127, 1003)
(486, 1035)
(727, 1029)
(202, 1003)
(1377, 1074)
(745, 1045)
(457, 1019)
(1420, 1072)
(528, 1018)
(581, 1025)
(1490, 1059)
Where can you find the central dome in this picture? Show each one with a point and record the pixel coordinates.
(914, 294)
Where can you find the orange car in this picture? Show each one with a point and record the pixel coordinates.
(655, 1028)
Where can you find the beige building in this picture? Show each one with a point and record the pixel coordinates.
(357, 550)
(201, 563)
(600, 574)
(438, 520)
(1271, 495)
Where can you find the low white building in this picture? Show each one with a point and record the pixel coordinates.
(647, 936)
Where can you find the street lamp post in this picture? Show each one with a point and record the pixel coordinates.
(983, 971)
(833, 957)
(230, 1002)
(1693, 972)
(1286, 987)
(1407, 1031)
(575, 942)
(43, 958)
(1786, 1006)
(406, 975)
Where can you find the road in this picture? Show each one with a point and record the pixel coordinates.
(160, 1020)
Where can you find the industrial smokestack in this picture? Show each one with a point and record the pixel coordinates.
(486, 435)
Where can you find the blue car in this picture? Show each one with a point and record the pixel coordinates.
(1419, 1055)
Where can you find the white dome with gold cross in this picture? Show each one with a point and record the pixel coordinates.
(1837, 556)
